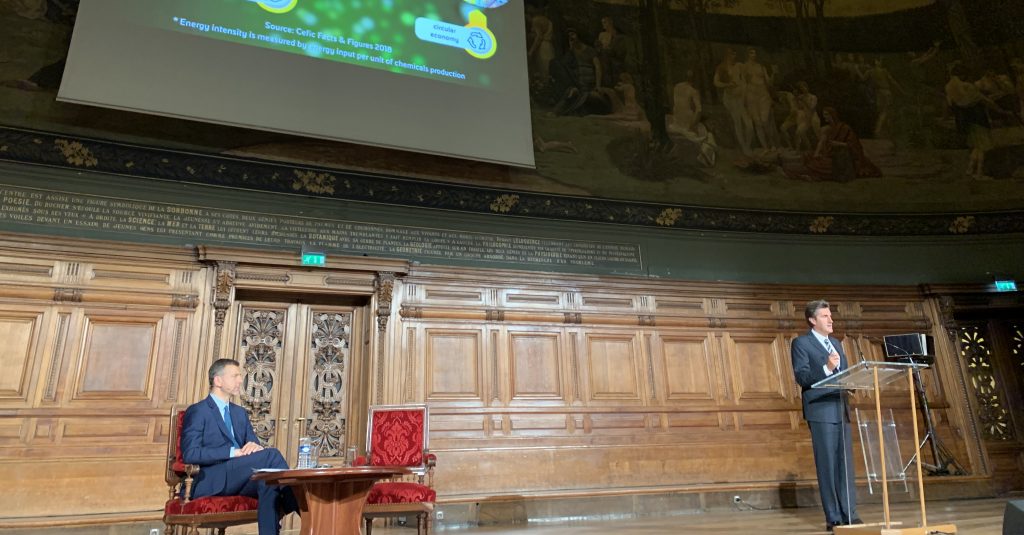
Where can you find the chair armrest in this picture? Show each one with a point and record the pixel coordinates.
(190, 470)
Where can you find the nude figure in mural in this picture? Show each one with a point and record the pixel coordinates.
(802, 119)
(626, 109)
(729, 81)
(758, 99)
(541, 50)
(882, 83)
(686, 106)
(971, 109)
(612, 50)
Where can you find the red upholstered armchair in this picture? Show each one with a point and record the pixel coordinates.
(184, 516)
(397, 435)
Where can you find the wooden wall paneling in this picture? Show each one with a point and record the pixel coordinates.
(613, 367)
(536, 366)
(760, 369)
(532, 299)
(453, 364)
(21, 330)
(950, 368)
(118, 357)
(690, 369)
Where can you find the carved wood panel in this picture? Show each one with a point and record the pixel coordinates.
(689, 370)
(19, 333)
(535, 364)
(759, 366)
(261, 345)
(329, 350)
(453, 364)
(613, 368)
(118, 358)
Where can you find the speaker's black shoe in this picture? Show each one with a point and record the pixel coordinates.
(855, 521)
(829, 526)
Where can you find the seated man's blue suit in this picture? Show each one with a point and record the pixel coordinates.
(205, 441)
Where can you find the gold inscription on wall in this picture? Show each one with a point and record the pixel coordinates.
(105, 217)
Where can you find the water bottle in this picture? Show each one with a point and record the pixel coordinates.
(306, 453)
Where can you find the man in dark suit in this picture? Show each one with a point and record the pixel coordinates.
(217, 435)
(816, 355)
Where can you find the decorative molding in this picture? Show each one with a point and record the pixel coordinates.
(184, 301)
(384, 285)
(646, 320)
(26, 269)
(572, 317)
(223, 283)
(716, 323)
(343, 281)
(129, 275)
(56, 359)
(33, 147)
(411, 312)
(495, 315)
(263, 277)
(179, 341)
(67, 295)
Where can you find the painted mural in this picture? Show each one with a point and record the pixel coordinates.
(826, 106)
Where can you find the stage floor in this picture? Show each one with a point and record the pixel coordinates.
(971, 517)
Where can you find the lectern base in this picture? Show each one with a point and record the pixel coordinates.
(880, 529)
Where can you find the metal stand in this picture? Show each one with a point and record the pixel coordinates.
(945, 464)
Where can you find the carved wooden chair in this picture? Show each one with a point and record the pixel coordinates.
(397, 435)
(185, 516)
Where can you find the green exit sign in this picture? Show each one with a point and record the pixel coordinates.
(314, 259)
(1006, 286)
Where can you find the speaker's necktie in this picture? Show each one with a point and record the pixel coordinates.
(231, 428)
(830, 349)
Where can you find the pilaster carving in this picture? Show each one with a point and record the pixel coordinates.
(223, 284)
(384, 285)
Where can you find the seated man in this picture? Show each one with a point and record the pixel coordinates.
(217, 436)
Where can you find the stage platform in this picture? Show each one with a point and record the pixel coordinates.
(972, 517)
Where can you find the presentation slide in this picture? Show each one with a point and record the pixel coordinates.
(451, 40)
(442, 77)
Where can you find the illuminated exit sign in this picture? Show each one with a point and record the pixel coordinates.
(314, 259)
(1006, 286)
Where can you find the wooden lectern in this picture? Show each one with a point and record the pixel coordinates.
(873, 375)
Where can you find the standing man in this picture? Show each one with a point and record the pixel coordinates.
(217, 435)
(816, 355)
